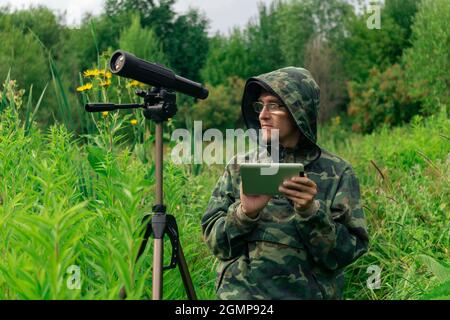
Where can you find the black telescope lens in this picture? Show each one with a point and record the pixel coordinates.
(118, 62)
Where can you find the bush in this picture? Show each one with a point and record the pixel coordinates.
(24, 59)
(382, 99)
(223, 107)
(364, 49)
(142, 42)
(427, 62)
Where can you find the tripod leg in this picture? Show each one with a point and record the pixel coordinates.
(178, 257)
(185, 276)
(158, 268)
(159, 222)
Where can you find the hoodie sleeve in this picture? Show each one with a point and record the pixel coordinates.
(336, 235)
(224, 225)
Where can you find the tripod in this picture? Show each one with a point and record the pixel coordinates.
(159, 105)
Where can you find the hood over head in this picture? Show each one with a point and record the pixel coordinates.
(298, 91)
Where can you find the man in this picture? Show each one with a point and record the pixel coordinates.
(293, 246)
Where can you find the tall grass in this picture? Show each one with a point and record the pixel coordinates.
(64, 203)
(404, 177)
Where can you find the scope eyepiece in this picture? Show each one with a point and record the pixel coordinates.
(117, 62)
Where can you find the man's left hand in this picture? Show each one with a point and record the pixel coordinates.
(301, 191)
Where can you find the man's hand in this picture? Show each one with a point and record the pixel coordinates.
(301, 191)
(252, 205)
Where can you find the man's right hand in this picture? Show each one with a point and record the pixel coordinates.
(252, 205)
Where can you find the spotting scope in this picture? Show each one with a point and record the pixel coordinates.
(127, 65)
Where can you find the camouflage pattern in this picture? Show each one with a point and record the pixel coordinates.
(281, 254)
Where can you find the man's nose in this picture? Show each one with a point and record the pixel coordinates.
(265, 113)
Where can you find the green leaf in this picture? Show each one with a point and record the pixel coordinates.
(440, 271)
(441, 292)
(97, 159)
(29, 116)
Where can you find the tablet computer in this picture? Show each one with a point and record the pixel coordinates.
(256, 180)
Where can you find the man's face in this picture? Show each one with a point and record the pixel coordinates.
(277, 119)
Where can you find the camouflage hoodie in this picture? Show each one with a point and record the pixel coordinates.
(281, 254)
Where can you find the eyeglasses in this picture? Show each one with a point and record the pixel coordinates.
(272, 106)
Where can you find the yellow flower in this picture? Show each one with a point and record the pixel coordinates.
(108, 75)
(134, 122)
(87, 86)
(91, 73)
(105, 83)
(105, 114)
(133, 83)
(336, 120)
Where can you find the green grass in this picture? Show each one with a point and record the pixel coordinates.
(65, 203)
(404, 177)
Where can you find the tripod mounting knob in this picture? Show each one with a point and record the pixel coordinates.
(159, 104)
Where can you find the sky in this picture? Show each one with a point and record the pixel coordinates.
(223, 14)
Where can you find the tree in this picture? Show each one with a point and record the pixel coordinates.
(427, 62)
(222, 109)
(187, 44)
(320, 61)
(25, 60)
(156, 14)
(402, 12)
(41, 21)
(183, 37)
(248, 52)
(263, 42)
(363, 49)
(381, 100)
(142, 42)
(227, 57)
(296, 26)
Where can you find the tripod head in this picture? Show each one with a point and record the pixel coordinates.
(159, 104)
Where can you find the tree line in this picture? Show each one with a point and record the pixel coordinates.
(369, 77)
